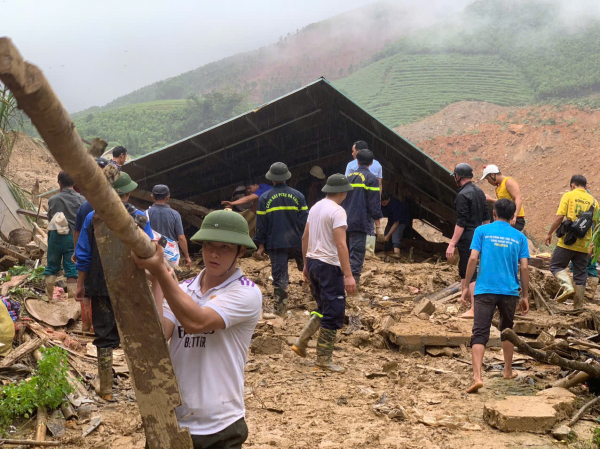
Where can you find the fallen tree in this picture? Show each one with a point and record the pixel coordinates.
(37, 99)
(549, 357)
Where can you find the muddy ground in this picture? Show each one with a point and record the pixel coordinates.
(290, 405)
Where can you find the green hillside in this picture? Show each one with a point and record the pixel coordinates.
(501, 51)
(144, 127)
(404, 88)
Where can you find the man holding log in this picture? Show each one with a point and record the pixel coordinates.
(91, 283)
(210, 321)
(502, 249)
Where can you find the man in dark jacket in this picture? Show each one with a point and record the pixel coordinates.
(363, 206)
(398, 219)
(471, 212)
(91, 282)
(281, 218)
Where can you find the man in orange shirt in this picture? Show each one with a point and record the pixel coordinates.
(506, 187)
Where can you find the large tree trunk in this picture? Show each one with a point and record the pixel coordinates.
(37, 99)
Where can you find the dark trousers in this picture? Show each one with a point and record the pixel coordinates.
(327, 288)
(396, 235)
(464, 252)
(520, 224)
(279, 264)
(231, 437)
(561, 258)
(105, 326)
(485, 306)
(357, 247)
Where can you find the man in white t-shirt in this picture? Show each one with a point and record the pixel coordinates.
(327, 268)
(375, 168)
(210, 321)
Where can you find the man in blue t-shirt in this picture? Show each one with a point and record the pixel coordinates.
(503, 249)
(253, 193)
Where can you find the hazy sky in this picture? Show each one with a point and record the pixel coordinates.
(95, 51)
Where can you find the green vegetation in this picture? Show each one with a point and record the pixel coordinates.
(148, 126)
(404, 88)
(47, 387)
(11, 121)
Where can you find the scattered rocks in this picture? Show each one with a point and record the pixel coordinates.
(424, 306)
(389, 366)
(562, 432)
(266, 345)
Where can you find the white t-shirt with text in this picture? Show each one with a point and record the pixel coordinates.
(210, 366)
(324, 217)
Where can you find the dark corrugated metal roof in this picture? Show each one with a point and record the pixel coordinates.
(314, 125)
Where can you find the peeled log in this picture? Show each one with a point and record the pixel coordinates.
(37, 99)
(549, 357)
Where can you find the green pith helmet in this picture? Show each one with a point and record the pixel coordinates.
(224, 226)
(337, 183)
(124, 184)
(278, 172)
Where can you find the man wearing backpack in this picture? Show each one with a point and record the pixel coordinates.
(573, 245)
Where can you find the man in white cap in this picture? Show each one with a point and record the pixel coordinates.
(506, 187)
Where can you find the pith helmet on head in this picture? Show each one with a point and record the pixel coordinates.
(278, 172)
(317, 172)
(489, 170)
(124, 184)
(337, 183)
(224, 226)
(463, 170)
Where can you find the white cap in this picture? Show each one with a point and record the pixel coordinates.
(317, 172)
(489, 169)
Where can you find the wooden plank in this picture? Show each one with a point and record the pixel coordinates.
(180, 206)
(30, 213)
(9, 252)
(21, 352)
(156, 388)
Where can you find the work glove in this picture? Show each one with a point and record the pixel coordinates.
(380, 235)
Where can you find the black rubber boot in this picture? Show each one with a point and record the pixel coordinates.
(281, 299)
(325, 351)
(309, 330)
(105, 373)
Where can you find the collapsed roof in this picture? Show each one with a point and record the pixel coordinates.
(314, 125)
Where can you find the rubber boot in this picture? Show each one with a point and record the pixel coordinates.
(309, 330)
(592, 286)
(358, 295)
(281, 299)
(564, 278)
(71, 286)
(325, 351)
(50, 281)
(105, 373)
(579, 296)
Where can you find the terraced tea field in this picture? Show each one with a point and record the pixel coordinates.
(404, 88)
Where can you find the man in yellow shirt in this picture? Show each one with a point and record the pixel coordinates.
(572, 203)
(506, 187)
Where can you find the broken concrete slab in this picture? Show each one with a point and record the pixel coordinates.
(412, 335)
(562, 432)
(424, 306)
(543, 323)
(536, 414)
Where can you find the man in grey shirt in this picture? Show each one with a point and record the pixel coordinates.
(60, 247)
(167, 221)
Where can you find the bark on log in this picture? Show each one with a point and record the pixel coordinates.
(450, 290)
(40, 427)
(14, 442)
(582, 410)
(37, 99)
(549, 357)
(21, 351)
(154, 381)
(571, 381)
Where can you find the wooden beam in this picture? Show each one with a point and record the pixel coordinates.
(154, 381)
(30, 213)
(9, 252)
(183, 207)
